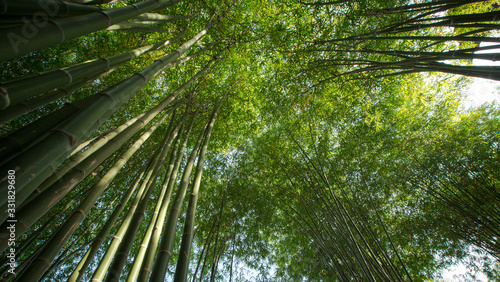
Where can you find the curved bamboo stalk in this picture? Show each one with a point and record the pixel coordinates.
(23, 88)
(146, 189)
(182, 268)
(51, 150)
(45, 8)
(17, 42)
(43, 260)
(147, 262)
(99, 239)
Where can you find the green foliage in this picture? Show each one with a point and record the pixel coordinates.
(393, 147)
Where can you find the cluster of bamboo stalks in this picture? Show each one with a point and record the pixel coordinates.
(53, 155)
(374, 53)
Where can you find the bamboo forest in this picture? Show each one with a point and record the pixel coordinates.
(249, 140)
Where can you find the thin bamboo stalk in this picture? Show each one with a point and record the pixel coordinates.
(16, 42)
(125, 246)
(42, 262)
(168, 236)
(155, 236)
(51, 150)
(23, 88)
(99, 239)
(146, 189)
(182, 268)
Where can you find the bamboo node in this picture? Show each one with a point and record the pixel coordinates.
(137, 9)
(72, 139)
(107, 17)
(81, 212)
(5, 96)
(63, 36)
(69, 76)
(25, 106)
(143, 77)
(107, 63)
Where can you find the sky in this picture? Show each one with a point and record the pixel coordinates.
(483, 90)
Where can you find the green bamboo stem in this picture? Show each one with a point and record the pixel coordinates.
(182, 268)
(168, 236)
(78, 273)
(111, 251)
(15, 43)
(125, 246)
(50, 8)
(23, 88)
(43, 260)
(147, 262)
(433, 38)
(206, 246)
(65, 259)
(139, 29)
(320, 3)
(466, 18)
(420, 5)
(450, 55)
(89, 143)
(137, 26)
(57, 144)
(28, 242)
(18, 141)
(31, 212)
(99, 143)
(99, 239)
(25, 107)
(62, 256)
(162, 200)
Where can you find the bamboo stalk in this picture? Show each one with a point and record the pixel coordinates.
(138, 203)
(182, 268)
(168, 236)
(147, 262)
(99, 239)
(23, 88)
(28, 215)
(16, 42)
(42, 261)
(50, 151)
